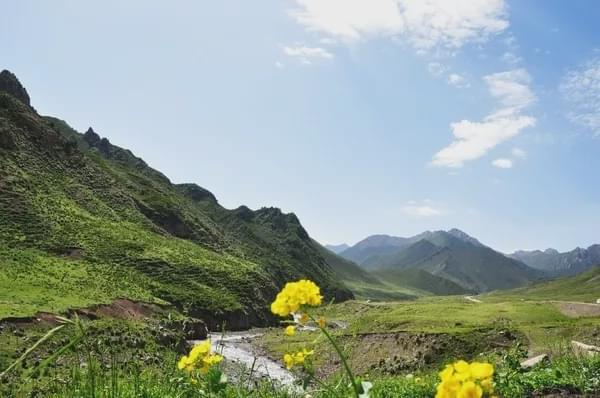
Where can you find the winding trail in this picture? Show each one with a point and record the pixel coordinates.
(473, 299)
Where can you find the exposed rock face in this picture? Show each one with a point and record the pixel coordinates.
(196, 193)
(10, 84)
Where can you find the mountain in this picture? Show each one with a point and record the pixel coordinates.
(374, 245)
(560, 264)
(337, 249)
(454, 256)
(84, 221)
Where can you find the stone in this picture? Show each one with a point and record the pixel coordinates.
(531, 362)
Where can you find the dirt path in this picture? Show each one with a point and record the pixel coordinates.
(473, 299)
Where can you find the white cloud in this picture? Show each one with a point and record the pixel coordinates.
(457, 80)
(307, 54)
(511, 58)
(279, 65)
(503, 163)
(425, 24)
(436, 69)
(581, 88)
(424, 209)
(518, 153)
(473, 140)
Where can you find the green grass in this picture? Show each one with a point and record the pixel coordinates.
(583, 287)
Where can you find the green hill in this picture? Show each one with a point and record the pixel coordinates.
(85, 221)
(582, 287)
(422, 280)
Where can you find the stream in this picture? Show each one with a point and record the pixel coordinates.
(237, 349)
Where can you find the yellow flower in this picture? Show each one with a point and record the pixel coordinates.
(209, 361)
(297, 358)
(200, 350)
(470, 390)
(464, 380)
(304, 319)
(447, 373)
(481, 370)
(200, 354)
(183, 362)
(288, 360)
(487, 385)
(294, 295)
(290, 330)
(321, 322)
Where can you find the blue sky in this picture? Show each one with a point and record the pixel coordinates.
(362, 117)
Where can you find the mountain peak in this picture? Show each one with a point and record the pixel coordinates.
(337, 248)
(457, 233)
(11, 85)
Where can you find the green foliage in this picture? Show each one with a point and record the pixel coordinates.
(84, 221)
(582, 287)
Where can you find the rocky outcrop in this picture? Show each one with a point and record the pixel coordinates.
(11, 85)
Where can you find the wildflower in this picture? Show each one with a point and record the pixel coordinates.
(464, 380)
(304, 319)
(290, 330)
(297, 358)
(209, 361)
(481, 370)
(200, 357)
(470, 390)
(321, 322)
(294, 295)
(288, 360)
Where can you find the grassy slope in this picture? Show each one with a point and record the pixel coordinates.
(140, 236)
(583, 287)
(422, 280)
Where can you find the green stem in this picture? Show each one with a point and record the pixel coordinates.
(342, 357)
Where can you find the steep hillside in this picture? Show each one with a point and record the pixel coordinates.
(99, 223)
(560, 264)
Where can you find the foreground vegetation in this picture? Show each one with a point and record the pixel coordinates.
(397, 348)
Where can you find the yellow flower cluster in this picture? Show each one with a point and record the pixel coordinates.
(297, 358)
(294, 295)
(464, 380)
(200, 357)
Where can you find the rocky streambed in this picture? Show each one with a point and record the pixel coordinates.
(243, 362)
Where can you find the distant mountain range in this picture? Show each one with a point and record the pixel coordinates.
(560, 264)
(440, 262)
(337, 248)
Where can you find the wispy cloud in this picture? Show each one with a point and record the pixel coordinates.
(436, 69)
(473, 140)
(425, 208)
(581, 88)
(307, 54)
(518, 153)
(424, 24)
(503, 163)
(456, 80)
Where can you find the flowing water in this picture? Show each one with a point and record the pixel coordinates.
(236, 349)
